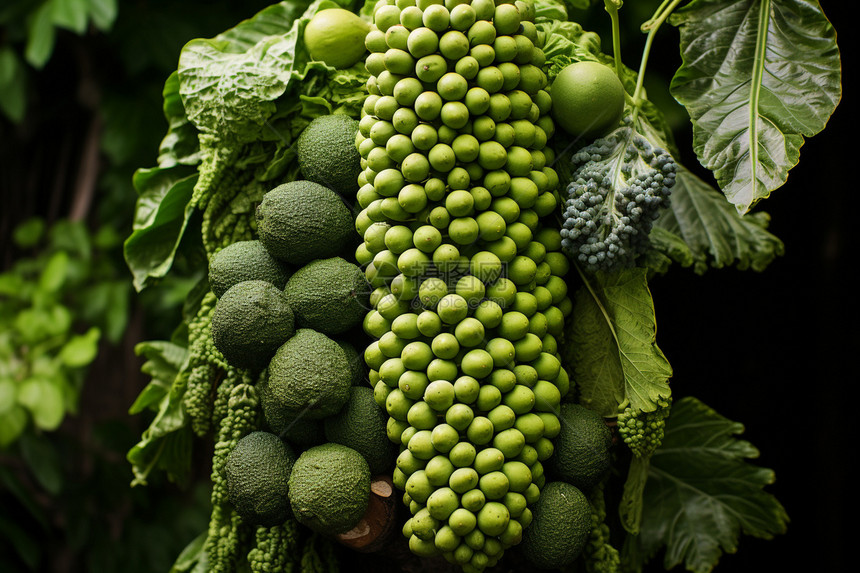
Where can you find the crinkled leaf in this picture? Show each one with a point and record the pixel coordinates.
(553, 9)
(229, 83)
(163, 210)
(757, 77)
(180, 145)
(702, 493)
(611, 344)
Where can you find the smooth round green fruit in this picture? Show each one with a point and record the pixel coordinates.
(336, 36)
(587, 99)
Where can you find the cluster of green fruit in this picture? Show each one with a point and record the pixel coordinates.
(469, 298)
(287, 303)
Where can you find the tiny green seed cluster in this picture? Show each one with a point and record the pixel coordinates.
(466, 267)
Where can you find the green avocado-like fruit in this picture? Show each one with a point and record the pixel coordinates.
(251, 320)
(329, 295)
(301, 221)
(561, 523)
(245, 261)
(587, 99)
(327, 154)
(329, 488)
(360, 425)
(581, 455)
(309, 376)
(356, 362)
(257, 474)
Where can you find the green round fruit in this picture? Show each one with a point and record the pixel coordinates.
(336, 36)
(329, 488)
(587, 99)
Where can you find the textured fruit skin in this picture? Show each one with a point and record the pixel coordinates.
(581, 455)
(356, 362)
(244, 261)
(587, 99)
(257, 474)
(327, 154)
(329, 488)
(250, 322)
(336, 37)
(560, 526)
(301, 220)
(360, 425)
(329, 295)
(309, 376)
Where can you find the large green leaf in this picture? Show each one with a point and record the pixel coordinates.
(714, 233)
(702, 492)
(700, 228)
(229, 83)
(163, 210)
(757, 77)
(611, 344)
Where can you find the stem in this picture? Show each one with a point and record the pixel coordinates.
(612, 7)
(652, 26)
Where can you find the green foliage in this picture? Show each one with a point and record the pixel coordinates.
(612, 344)
(753, 99)
(51, 326)
(33, 27)
(702, 493)
(238, 137)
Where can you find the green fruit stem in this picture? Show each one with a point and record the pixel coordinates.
(652, 25)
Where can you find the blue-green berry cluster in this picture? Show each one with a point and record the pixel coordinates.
(619, 185)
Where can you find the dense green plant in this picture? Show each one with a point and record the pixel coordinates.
(230, 138)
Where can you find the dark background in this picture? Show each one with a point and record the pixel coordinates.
(773, 350)
(776, 350)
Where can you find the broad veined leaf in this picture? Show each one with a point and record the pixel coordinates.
(163, 210)
(612, 344)
(757, 77)
(700, 228)
(702, 493)
(712, 229)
